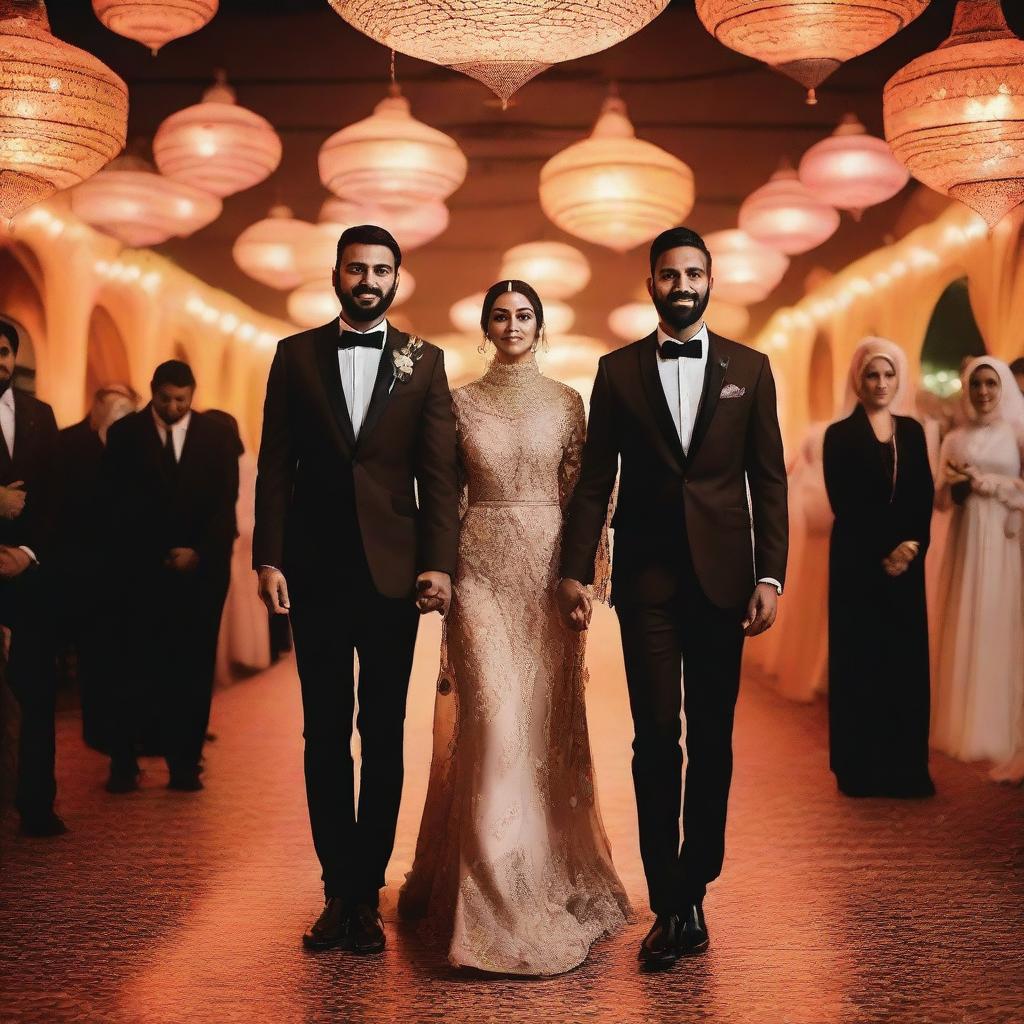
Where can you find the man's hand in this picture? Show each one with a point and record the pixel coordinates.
(182, 560)
(574, 604)
(433, 592)
(761, 612)
(12, 500)
(13, 562)
(274, 590)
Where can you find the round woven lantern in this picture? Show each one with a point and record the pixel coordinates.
(785, 215)
(155, 22)
(412, 224)
(614, 189)
(131, 202)
(556, 270)
(852, 170)
(498, 43)
(744, 270)
(806, 39)
(63, 114)
(955, 116)
(393, 157)
(316, 302)
(217, 145)
(268, 250)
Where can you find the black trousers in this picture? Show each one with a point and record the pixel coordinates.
(169, 652)
(32, 676)
(353, 844)
(658, 638)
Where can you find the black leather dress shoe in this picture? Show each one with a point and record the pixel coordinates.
(367, 931)
(332, 928)
(42, 825)
(186, 781)
(660, 949)
(693, 931)
(122, 780)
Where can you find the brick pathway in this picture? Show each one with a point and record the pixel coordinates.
(172, 907)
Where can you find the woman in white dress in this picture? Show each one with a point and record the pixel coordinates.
(978, 705)
(513, 871)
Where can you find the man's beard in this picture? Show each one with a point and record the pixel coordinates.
(678, 317)
(355, 313)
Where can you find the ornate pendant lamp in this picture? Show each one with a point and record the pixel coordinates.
(139, 207)
(155, 22)
(955, 116)
(852, 170)
(556, 270)
(316, 302)
(744, 270)
(413, 224)
(806, 39)
(63, 114)
(786, 215)
(268, 250)
(393, 157)
(614, 189)
(217, 145)
(498, 43)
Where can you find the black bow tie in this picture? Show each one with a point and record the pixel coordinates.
(681, 349)
(353, 339)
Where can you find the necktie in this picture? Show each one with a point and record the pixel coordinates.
(170, 462)
(691, 349)
(353, 339)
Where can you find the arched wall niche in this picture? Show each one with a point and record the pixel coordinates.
(107, 360)
(821, 382)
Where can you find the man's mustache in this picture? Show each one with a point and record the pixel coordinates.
(683, 295)
(366, 289)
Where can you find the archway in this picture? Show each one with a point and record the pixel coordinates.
(952, 337)
(22, 305)
(106, 355)
(820, 381)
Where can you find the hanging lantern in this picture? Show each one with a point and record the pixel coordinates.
(633, 320)
(498, 43)
(556, 270)
(268, 250)
(465, 314)
(852, 170)
(412, 224)
(316, 257)
(316, 302)
(217, 145)
(154, 22)
(613, 188)
(392, 156)
(744, 270)
(131, 202)
(726, 318)
(63, 114)
(806, 39)
(572, 359)
(954, 116)
(786, 215)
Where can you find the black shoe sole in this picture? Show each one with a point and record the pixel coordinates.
(322, 945)
(653, 964)
(701, 947)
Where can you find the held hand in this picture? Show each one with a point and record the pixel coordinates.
(182, 560)
(574, 605)
(761, 612)
(13, 562)
(12, 500)
(433, 592)
(273, 590)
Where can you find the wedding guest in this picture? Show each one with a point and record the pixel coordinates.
(1017, 369)
(28, 441)
(82, 509)
(880, 487)
(172, 478)
(979, 686)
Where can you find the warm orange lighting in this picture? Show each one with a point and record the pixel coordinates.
(155, 22)
(268, 250)
(785, 215)
(633, 320)
(316, 302)
(556, 270)
(412, 223)
(744, 270)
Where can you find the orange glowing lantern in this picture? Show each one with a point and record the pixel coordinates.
(786, 215)
(744, 270)
(412, 224)
(633, 320)
(556, 270)
(268, 250)
(155, 22)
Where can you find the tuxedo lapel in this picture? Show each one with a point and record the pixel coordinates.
(714, 376)
(656, 396)
(382, 385)
(326, 346)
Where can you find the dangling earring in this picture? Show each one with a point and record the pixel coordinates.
(482, 347)
(541, 341)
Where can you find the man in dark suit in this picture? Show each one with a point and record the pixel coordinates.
(693, 418)
(357, 420)
(28, 443)
(172, 478)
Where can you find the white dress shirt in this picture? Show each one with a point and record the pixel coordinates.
(178, 432)
(7, 421)
(683, 383)
(358, 366)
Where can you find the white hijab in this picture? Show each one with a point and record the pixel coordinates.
(1011, 402)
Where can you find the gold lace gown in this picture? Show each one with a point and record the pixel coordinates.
(513, 869)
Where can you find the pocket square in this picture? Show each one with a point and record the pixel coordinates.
(732, 391)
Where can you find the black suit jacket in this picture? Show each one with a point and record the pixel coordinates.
(152, 511)
(34, 462)
(668, 497)
(320, 491)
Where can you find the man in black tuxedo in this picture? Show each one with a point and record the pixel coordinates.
(28, 449)
(693, 418)
(171, 474)
(357, 422)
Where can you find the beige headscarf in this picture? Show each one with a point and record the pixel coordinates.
(872, 348)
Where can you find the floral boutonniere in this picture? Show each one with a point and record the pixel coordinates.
(406, 357)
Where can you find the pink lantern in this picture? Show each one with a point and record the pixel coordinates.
(633, 320)
(556, 270)
(316, 257)
(744, 270)
(786, 215)
(852, 170)
(155, 22)
(413, 224)
(268, 250)
(217, 145)
(465, 314)
(139, 207)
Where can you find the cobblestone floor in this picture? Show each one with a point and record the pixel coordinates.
(174, 907)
